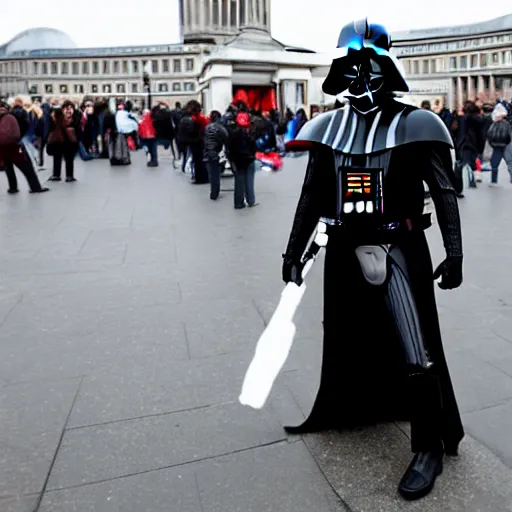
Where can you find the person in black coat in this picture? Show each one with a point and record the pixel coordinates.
(242, 153)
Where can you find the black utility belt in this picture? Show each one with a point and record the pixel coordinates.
(395, 227)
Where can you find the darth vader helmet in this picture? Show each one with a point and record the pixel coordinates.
(365, 71)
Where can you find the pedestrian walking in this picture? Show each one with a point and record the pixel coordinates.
(13, 154)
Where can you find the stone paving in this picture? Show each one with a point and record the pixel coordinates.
(130, 305)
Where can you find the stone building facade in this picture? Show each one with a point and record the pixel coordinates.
(458, 63)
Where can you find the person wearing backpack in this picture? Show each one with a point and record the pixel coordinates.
(499, 137)
(12, 154)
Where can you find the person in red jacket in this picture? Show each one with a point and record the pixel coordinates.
(148, 138)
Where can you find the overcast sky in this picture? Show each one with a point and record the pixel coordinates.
(315, 24)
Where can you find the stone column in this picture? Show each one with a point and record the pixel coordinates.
(262, 9)
(220, 12)
(192, 14)
(471, 89)
(460, 93)
(492, 88)
(268, 7)
(480, 84)
(238, 14)
(185, 16)
(452, 104)
(228, 14)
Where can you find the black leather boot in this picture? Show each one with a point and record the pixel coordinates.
(421, 475)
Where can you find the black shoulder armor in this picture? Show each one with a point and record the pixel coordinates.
(396, 124)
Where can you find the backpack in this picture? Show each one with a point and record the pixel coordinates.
(499, 134)
(9, 131)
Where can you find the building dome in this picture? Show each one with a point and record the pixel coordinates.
(38, 39)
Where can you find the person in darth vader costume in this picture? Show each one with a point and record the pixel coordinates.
(383, 356)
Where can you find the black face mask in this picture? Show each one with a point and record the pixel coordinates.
(365, 91)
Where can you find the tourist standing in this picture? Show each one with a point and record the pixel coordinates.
(242, 153)
(63, 141)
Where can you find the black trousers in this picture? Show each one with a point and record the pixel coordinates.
(24, 163)
(41, 152)
(68, 155)
(213, 167)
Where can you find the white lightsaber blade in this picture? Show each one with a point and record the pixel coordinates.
(274, 346)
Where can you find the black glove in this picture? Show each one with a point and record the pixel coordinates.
(292, 271)
(451, 272)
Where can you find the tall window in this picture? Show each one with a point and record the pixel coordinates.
(35, 68)
(107, 88)
(234, 19)
(474, 61)
(484, 60)
(48, 88)
(215, 4)
(94, 88)
(190, 86)
(125, 66)
(154, 66)
(95, 67)
(225, 4)
(135, 66)
(453, 63)
(425, 67)
(45, 68)
(165, 65)
(495, 58)
(85, 68)
(55, 68)
(64, 68)
(74, 68)
(106, 67)
(189, 63)
(176, 65)
(79, 89)
(407, 66)
(63, 89)
(135, 87)
(116, 67)
(163, 87)
(243, 14)
(176, 86)
(416, 67)
(463, 62)
(121, 88)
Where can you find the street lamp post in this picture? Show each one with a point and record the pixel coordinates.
(146, 74)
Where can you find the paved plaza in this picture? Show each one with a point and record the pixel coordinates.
(130, 306)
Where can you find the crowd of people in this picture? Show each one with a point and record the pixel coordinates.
(99, 128)
(482, 137)
(481, 133)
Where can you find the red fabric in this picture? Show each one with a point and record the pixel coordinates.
(299, 145)
(478, 164)
(243, 120)
(146, 128)
(11, 155)
(131, 144)
(273, 159)
(202, 120)
(257, 98)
